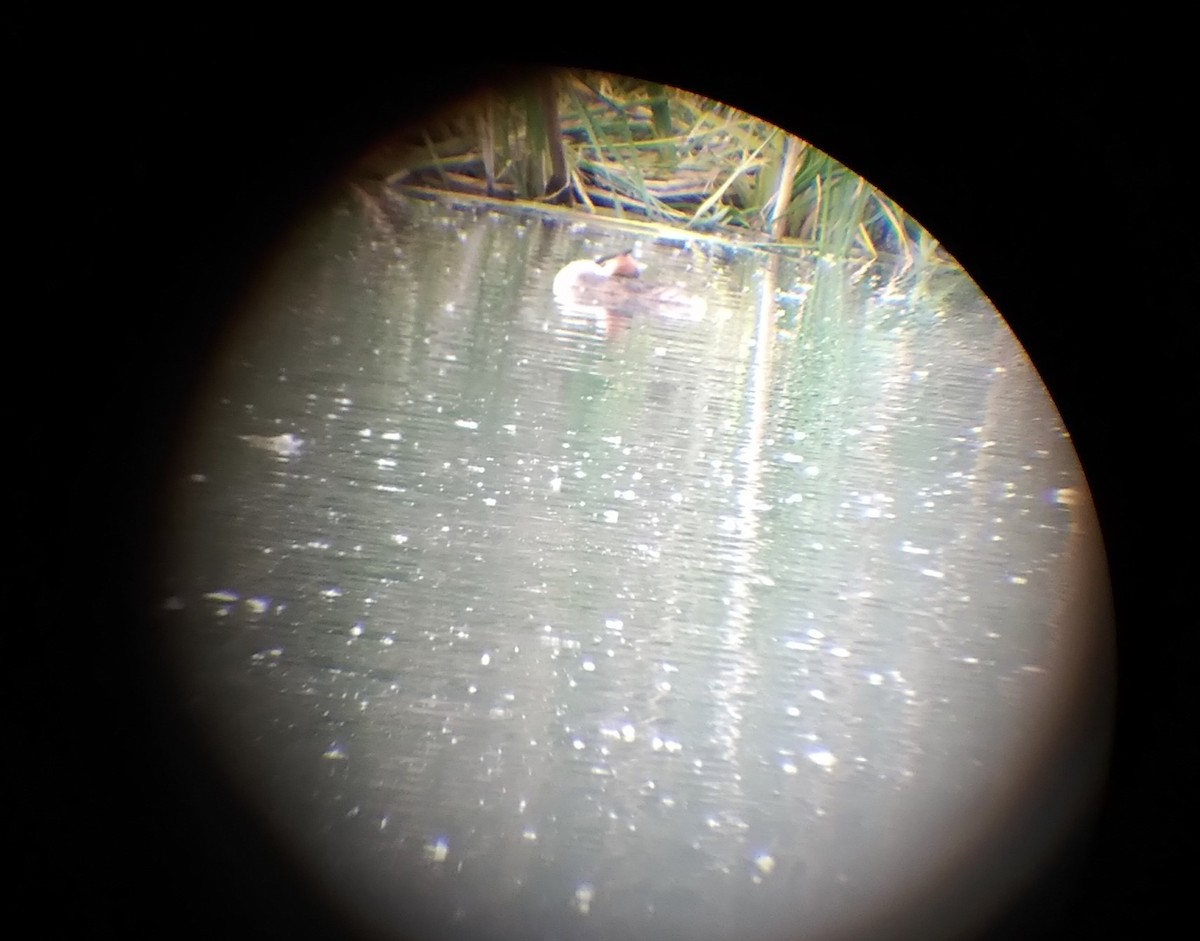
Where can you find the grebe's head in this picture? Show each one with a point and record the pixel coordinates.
(622, 265)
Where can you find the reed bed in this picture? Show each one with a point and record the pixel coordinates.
(636, 150)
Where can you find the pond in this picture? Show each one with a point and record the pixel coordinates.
(519, 618)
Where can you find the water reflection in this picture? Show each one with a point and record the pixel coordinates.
(538, 622)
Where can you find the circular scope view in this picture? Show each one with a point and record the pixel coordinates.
(631, 524)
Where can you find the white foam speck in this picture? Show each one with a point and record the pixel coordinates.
(822, 757)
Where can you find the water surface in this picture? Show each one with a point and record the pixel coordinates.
(519, 621)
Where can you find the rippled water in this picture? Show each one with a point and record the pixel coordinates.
(534, 622)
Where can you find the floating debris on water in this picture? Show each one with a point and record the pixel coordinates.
(285, 445)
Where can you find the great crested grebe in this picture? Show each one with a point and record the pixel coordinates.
(614, 284)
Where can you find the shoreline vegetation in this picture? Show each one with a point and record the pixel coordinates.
(647, 155)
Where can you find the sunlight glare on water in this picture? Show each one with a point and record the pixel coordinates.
(508, 615)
